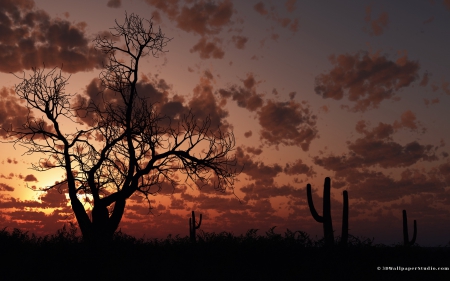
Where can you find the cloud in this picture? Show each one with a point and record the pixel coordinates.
(13, 112)
(291, 24)
(239, 41)
(6, 187)
(12, 161)
(204, 104)
(30, 177)
(254, 192)
(365, 80)
(376, 26)
(253, 150)
(298, 168)
(288, 123)
(259, 7)
(246, 97)
(257, 170)
(205, 17)
(29, 37)
(377, 186)
(248, 134)
(376, 148)
(208, 49)
(114, 3)
(290, 5)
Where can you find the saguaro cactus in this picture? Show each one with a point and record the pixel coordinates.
(406, 241)
(344, 235)
(193, 226)
(325, 219)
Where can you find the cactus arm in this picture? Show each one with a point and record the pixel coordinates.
(199, 223)
(311, 205)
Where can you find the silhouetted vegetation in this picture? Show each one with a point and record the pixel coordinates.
(218, 256)
(193, 226)
(325, 219)
(137, 148)
(406, 241)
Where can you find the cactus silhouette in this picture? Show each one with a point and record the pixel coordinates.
(344, 234)
(406, 241)
(325, 219)
(193, 226)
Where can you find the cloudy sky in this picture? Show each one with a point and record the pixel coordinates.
(357, 91)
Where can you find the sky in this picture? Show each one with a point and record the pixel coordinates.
(357, 91)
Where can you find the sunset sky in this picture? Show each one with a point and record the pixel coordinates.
(357, 91)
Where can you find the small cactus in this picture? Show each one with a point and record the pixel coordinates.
(193, 226)
(326, 217)
(406, 241)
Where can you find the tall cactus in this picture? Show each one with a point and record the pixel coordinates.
(406, 241)
(344, 235)
(325, 219)
(193, 226)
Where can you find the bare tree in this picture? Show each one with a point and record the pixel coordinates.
(128, 146)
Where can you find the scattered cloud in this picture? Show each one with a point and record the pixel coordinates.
(376, 26)
(6, 187)
(239, 41)
(208, 49)
(246, 96)
(285, 22)
(29, 37)
(114, 3)
(288, 123)
(366, 80)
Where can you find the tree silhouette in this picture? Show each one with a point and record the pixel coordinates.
(127, 146)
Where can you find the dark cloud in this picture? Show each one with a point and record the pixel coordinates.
(288, 123)
(205, 17)
(298, 168)
(246, 96)
(29, 37)
(254, 192)
(30, 177)
(239, 41)
(204, 104)
(376, 148)
(376, 26)
(12, 161)
(291, 24)
(253, 150)
(259, 7)
(13, 112)
(248, 134)
(257, 170)
(208, 49)
(366, 80)
(114, 3)
(377, 186)
(6, 187)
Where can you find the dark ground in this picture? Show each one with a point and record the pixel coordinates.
(223, 256)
